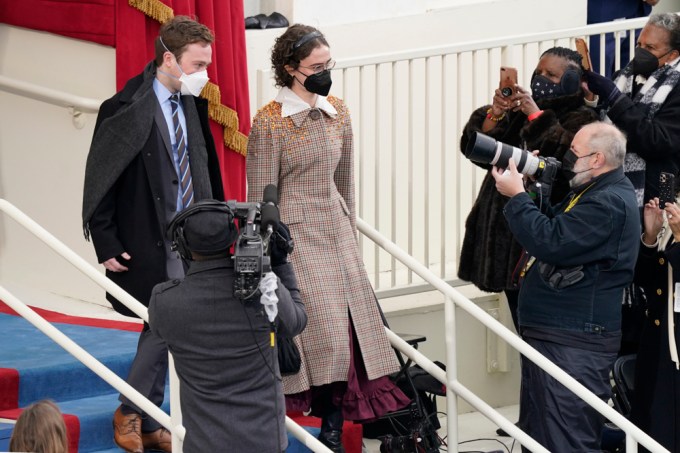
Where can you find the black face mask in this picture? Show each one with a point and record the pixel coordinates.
(569, 161)
(319, 83)
(645, 62)
(543, 88)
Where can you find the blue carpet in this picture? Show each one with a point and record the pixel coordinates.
(46, 370)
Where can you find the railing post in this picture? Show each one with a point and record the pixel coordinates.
(507, 55)
(175, 408)
(451, 374)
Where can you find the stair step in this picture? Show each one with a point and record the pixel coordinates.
(47, 371)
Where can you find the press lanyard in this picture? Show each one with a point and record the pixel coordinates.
(530, 260)
(575, 200)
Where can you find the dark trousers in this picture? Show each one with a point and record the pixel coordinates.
(557, 418)
(147, 375)
(606, 11)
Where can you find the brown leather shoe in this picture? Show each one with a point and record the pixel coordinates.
(161, 439)
(127, 431)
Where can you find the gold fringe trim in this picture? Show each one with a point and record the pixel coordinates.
(155, 9)
(226, 117)
(221, 114)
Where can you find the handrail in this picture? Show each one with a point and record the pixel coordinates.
(77, 105)
(83, 356)
(524, 348)
(90, 361)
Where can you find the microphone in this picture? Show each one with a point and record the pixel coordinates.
(270, 210)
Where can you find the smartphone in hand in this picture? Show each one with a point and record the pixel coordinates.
(582, 48)
(666, 189)
(508, 81)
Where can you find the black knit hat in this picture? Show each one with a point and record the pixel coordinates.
(209, 232)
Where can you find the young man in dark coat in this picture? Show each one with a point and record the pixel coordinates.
(230, 386)
(152, 154)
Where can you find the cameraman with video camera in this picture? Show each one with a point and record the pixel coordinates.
(580, 256)
(230, 383)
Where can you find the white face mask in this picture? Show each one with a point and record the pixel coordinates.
(192, 84)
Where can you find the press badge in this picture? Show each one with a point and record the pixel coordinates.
(676, 297)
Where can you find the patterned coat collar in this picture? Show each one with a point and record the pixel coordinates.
(292, 105)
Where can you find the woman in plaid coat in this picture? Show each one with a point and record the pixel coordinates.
(302, 143)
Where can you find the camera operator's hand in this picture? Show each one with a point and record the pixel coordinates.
(602, 86)
(523, 101)
(508, 182)
(281, 245)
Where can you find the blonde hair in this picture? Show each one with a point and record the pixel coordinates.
(40, 428)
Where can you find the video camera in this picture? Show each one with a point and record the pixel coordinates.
(484, 149)
(258, 224)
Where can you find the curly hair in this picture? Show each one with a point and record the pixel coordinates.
(286, 53)
(573, 57)
(177, 34)
(669, 22)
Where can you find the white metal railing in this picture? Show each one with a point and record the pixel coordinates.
(408, 111)
(173, 422)
(76, 105)
(633, 433)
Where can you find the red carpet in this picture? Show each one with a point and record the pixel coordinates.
(53, 316)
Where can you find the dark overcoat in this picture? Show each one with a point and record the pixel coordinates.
(656, 400)
(127, 203)
(489, 253)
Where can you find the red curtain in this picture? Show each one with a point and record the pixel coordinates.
(132, 29)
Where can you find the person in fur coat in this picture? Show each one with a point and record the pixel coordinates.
(545, 119)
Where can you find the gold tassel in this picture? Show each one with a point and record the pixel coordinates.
(154, 9)
(221, 114)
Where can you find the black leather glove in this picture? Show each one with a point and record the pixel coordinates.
(281, 245)
(602, 86)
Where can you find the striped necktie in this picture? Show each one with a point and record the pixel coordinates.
(181, 147)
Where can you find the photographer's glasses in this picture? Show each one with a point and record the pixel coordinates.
(317, 68)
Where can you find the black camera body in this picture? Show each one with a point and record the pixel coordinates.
(251, 249)
(258, 229)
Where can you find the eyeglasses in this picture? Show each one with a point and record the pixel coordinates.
(317, 68)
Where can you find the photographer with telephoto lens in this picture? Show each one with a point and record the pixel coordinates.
(545, 118)
(582, 255)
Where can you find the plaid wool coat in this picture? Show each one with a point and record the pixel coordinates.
(309, 157)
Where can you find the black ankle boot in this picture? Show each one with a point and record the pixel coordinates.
(331, 430)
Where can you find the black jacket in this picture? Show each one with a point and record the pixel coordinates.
(127, 200)
(657, 381)
(599, 234)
